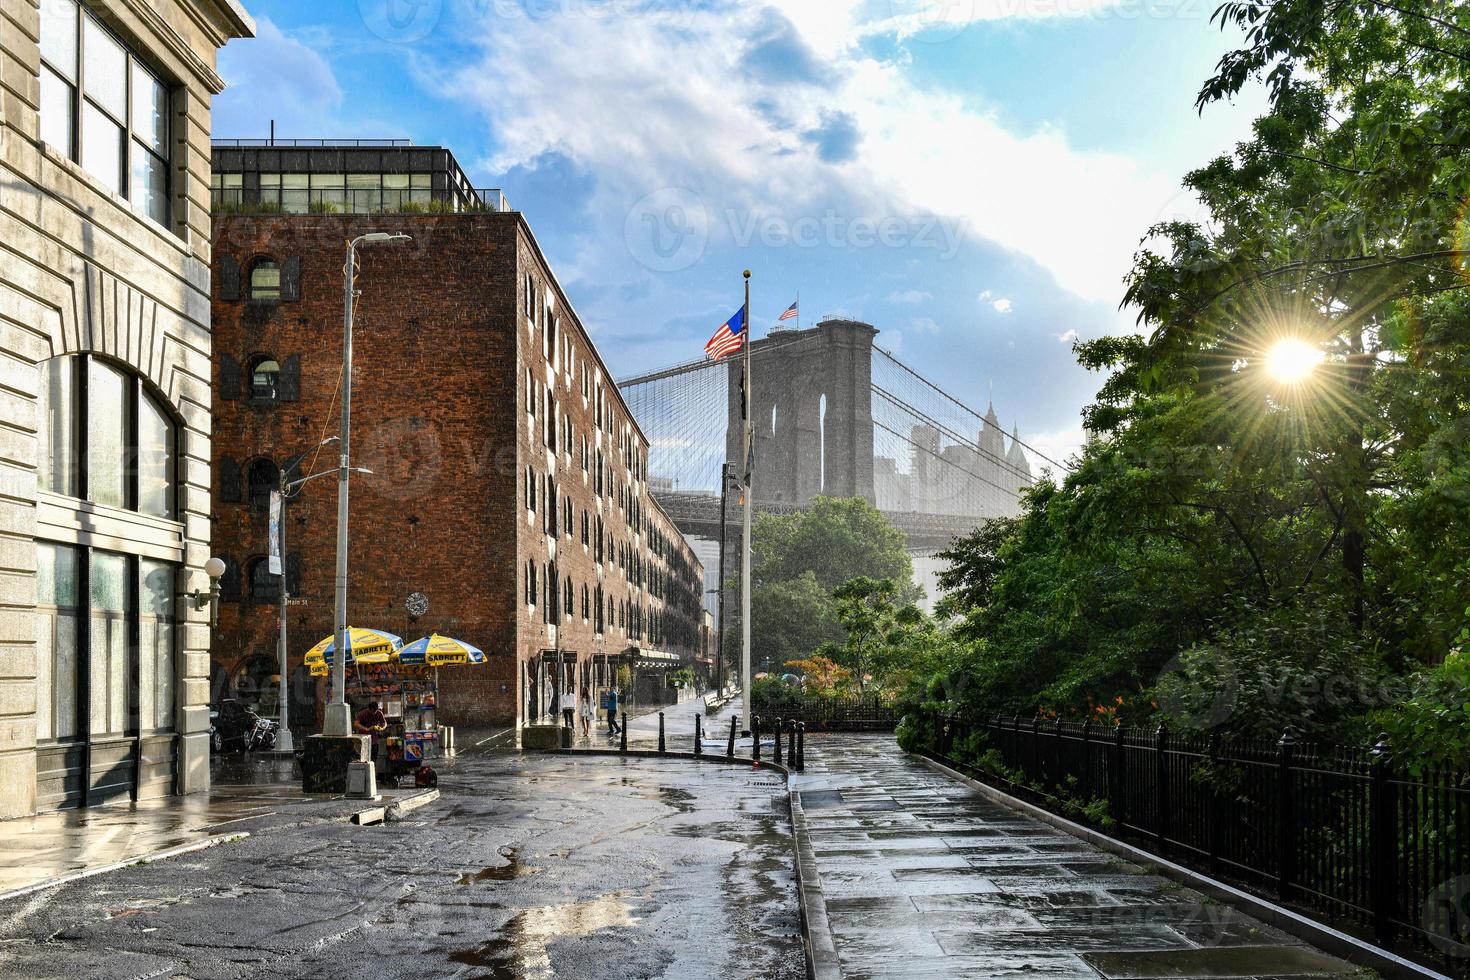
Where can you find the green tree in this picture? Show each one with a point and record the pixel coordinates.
(1270, 528)
(836, 539)
(880, 630)
(789, 619)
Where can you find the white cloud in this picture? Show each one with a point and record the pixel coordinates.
(272, 76)
(916, 18)
(924, 324)
(734, 137)
(910, 297)
(1001, 304)
(1067, 337)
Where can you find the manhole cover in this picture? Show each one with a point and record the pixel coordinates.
(821, 799)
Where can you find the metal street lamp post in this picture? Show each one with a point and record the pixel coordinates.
(338, 718)
(284, 742)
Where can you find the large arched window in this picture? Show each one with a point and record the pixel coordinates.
(131, 440)
(265, 476)
(106, 582)
(265, 378)
(265, 281)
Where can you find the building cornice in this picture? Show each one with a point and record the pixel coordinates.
(219, 19)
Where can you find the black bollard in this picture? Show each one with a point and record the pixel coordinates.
(698, 736)
(801, 746)
(660, 733)
(623, 740)
(755, 739)
(730, 748)
(776, 755)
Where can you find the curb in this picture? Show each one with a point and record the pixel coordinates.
(408, 804)
(816, 931)
(164, 854)
(719, 758)
(1340, 944)
(394, 810)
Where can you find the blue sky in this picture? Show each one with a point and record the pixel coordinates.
(970, 176)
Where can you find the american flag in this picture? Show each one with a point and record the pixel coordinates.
(791, 312)
(729, 338)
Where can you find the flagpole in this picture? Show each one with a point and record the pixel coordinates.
(745, 718)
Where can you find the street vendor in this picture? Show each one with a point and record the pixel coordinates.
(371, 721)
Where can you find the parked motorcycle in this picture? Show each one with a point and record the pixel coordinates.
(235, 727)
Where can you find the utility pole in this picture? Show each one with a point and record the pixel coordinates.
(283, 738)
(284, 741)
(338, 718)
(720, 584)
(749, 465)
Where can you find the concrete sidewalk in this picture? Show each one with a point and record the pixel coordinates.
(923, 877)
(52, 848)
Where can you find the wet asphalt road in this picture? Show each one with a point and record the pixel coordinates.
(527, 867)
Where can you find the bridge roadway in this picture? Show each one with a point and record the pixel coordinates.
(698, 515)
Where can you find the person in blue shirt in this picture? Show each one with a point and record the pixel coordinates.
(610, 702)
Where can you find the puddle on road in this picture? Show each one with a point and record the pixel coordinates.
(680, 799)
(505, 872)
(520, 951)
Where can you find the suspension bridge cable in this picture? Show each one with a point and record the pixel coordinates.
(944, 429)
(961, 405)
(927, 451)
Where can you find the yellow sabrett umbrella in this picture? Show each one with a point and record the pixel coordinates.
(440, 651)
(364, 646)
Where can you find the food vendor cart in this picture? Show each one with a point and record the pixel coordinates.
(405, 683)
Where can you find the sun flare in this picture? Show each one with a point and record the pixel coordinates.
(1293, 360)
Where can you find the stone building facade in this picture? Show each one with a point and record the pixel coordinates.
(815, 430)
(509, 481)
(813, 412)
(104, 396)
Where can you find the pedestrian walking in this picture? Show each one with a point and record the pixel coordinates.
(568, 707)
(585, 710)
(610, 702)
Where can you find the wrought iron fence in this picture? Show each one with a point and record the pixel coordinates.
(1344, 832)
(834, 714)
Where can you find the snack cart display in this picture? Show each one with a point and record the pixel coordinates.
(409, 698)
(404, 680)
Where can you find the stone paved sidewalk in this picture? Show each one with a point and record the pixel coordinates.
(925, 878)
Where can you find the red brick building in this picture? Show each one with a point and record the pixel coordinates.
(508, 497)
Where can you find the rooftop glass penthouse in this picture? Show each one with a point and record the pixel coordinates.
(342, 177)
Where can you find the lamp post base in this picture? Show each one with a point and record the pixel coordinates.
(284, 742)
(337, 721)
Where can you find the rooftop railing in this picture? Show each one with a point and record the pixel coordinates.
(232, 200)
(310, 142)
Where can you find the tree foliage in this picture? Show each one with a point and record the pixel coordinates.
(836, 539)
(1224, 522)
(800, 559)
